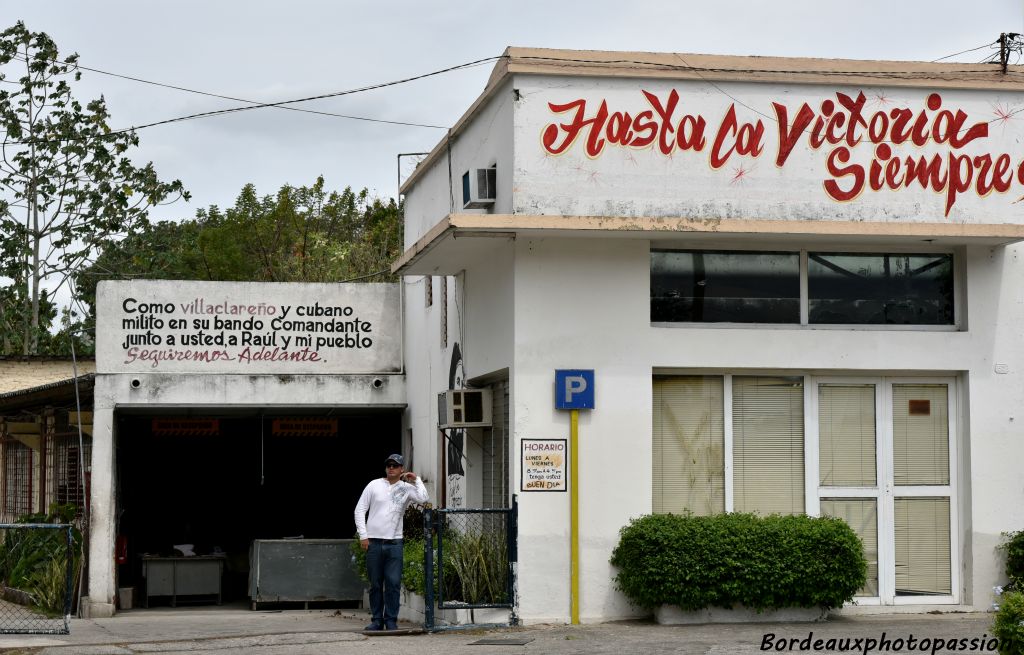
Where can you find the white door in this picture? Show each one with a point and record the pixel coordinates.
(883, 459)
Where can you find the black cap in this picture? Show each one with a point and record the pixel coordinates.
(396, 458)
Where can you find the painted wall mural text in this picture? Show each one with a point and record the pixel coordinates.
(840, 126)
(216, 330)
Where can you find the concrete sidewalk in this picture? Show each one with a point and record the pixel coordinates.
(314, 632)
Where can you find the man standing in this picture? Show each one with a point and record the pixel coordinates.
(385, 499)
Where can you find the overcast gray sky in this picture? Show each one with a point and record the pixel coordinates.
(271, 51)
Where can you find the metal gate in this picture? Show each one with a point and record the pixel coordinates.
(37, 563)
(470, 561)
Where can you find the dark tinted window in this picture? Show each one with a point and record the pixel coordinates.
(725, 287)
(880, 289)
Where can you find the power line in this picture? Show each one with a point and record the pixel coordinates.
(962, 52)
(281, 103)
(890, 74)
(224, 97)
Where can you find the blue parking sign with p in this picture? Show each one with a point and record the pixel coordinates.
(574, 389)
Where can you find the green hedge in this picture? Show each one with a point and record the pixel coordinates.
(1014, 551)
(1009, 623)
(698, 562)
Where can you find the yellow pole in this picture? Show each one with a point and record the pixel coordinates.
(574, 538)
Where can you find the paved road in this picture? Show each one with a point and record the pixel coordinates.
(317, 632)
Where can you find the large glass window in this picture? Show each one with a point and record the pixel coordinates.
(702, 286)
(707, 286)
(690, 455)
(846, 435)
(689, 464)
(768, 445)
(880, 289)
(922, 546)
(920, 431)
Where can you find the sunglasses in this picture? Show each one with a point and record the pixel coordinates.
(392, 465)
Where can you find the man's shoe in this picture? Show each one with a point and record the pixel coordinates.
(373, 627)
(391, 625)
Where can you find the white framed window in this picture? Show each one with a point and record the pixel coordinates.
(879, 452)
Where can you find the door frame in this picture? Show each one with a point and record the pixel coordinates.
(885, 491)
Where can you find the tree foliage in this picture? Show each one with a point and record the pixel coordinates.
(67, 183)
(303, 234)
(299, 234)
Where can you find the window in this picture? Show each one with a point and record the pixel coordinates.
(704, 286)
(689, 447)
(19, 491)
(861, 514)
(880, 289)
(846, 435)
(768, 445)
(690, 455)
(725, 287)
(64, 478)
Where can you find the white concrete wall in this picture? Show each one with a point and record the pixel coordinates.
(425, 365)
(632, 180)
(995, 494)
(486, 306)
(485, 142)
(584, 304)
(154, 391)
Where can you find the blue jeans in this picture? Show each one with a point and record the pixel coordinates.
(384, 566)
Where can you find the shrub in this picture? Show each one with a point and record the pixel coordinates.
(1013, 548)
(480, 562)
(34, 560)
(414, 577)
(1009, 623)
(698, 562)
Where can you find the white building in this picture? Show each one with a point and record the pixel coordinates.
(230, 413)
(797, 282)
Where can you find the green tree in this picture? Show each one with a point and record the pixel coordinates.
(68, 184)
(300, 234)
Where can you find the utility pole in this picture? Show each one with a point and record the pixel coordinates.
(1007, 41)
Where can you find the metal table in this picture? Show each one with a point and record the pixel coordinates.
(182, 576)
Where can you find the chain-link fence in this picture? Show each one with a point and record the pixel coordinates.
(37, 564)
(474, 558)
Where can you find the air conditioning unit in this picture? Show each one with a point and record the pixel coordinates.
(464, 408)
(479, 188)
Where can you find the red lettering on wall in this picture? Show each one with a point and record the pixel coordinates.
(840, 125)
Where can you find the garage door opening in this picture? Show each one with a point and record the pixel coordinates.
(209, 485)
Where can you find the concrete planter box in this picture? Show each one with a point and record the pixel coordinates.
(414, 610)
(672, 615)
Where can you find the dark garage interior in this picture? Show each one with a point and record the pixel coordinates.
(220, 480)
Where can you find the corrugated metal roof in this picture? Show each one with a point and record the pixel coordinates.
(60, 390)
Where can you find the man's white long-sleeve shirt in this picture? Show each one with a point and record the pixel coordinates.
(386, 505)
